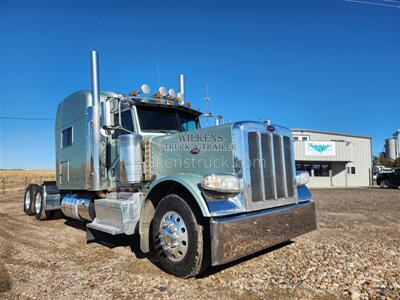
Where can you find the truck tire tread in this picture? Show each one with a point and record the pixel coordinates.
(42, 214)
(192, 263)
(31, 188)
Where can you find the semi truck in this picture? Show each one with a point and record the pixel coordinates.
(139, 164)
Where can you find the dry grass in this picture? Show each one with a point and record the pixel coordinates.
(16, 180)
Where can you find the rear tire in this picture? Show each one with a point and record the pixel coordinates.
(39, 208)
(177, 238)
(29, 199)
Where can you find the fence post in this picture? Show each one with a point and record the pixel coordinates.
(3, 185)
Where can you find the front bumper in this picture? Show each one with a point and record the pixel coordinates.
(238, 236)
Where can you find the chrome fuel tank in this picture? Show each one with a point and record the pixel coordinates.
(78, 208)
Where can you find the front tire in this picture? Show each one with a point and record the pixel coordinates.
(177, 238)
(385, 184)
(39, 208)
(29, 199)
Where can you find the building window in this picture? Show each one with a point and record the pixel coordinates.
(321, 169)
(303, 167)
(301, 138)
(351, 170)
(66, 137)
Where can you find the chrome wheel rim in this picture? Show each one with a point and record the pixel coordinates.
(173, 236)
(27, 200)
(38, 203)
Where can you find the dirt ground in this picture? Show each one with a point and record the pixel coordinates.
(355, 253)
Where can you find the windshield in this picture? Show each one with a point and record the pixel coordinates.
(161, 119)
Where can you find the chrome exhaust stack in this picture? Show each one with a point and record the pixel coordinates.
(95, 79)
(93, 168)
(182, 87)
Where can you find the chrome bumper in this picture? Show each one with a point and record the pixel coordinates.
(238, 236)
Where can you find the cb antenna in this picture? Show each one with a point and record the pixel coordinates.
(207, 99)
(158, 74)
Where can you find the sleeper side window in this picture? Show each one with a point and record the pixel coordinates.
(66, 137)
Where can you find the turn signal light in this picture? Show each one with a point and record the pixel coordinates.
(134, 93)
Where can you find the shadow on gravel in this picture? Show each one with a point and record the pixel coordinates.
(121, 240)
(111, 241)
(213, 270)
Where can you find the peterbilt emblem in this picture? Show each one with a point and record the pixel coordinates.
(195, 150)
(270, 128)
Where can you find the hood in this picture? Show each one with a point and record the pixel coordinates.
(200, 152)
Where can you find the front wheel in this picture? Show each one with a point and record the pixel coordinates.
(177, 237)
(385, 184)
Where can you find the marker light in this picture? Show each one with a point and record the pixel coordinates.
(302, 178)
(172, 93)
(228, 184)
(145, 89)
(134, 93)
(162, 91)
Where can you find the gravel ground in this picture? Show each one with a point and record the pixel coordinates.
(355, 253)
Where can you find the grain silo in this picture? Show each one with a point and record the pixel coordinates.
(391, 148)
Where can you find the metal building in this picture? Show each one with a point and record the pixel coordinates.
(333, 159)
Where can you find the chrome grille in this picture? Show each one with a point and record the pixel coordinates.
(271, 166)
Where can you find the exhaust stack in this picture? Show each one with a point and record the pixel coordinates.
(93, 165)
(182, 86)
(95, 79)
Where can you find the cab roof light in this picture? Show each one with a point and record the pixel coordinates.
(144, 89)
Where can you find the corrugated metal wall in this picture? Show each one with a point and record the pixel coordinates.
(351, 151)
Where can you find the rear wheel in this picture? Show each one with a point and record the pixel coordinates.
(385, 184)
(40, 212)
(177, 237)
(29, 199)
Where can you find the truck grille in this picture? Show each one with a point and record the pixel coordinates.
(271, 166)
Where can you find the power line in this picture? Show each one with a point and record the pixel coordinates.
(27, 119)
(376, 3)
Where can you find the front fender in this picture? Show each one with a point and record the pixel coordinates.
(191, 183)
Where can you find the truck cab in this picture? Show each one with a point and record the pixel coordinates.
(135, 164)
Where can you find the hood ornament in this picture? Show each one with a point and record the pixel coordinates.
(195, 150)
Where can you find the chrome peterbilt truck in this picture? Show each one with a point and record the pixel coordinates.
(131, 164)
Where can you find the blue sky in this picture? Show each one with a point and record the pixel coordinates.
(327, 65)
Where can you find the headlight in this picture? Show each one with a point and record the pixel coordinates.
(228, 184)
(302, 178)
